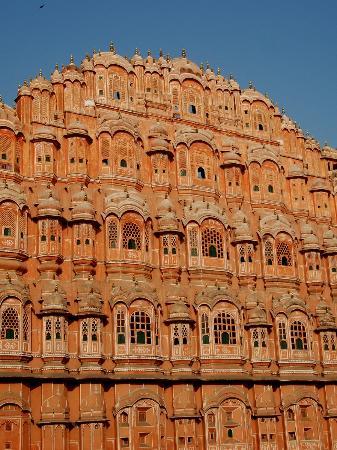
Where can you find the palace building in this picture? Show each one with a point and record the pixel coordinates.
(168, 264)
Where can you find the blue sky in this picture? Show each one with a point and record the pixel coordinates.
(287, 48)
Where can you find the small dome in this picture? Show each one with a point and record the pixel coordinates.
(78, 127)
(158, 129)
(183, 65)
(54, 300)
(49, 205)
(82, 207)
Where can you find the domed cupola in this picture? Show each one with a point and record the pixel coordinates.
(77, 128)
(309, 239)
(167, 219)
(296, 171)
(137, 59)
(330, 241)
(242, 231)
(48, 204)
(82, 208)
(325, 318)
(53, 299)
(231, 156)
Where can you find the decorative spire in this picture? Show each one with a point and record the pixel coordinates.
(231, 77)
(207, 65)
(250, 85)
(149, 52)
(137, 52)
(283, 111)
(57, 67)
(40, 73)
(168, 58)
(71, 59)
(219, 71)
(202, 67)
(160, 53)
(183, 53)
(112, 47)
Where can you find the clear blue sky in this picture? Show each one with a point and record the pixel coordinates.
(287, 48)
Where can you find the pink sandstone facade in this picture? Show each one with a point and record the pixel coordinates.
(168, 264)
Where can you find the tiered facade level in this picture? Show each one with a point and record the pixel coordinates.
(168, 264)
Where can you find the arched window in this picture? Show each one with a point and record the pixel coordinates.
(283, 253)
(268, 253)
(112, 234)
(192, 109)
(282, 336)
(225, 329)
(201, 173)
(9, 323)
(140, 328)
(212, 243)
(131, 236)
(204, 329)
(270, 188)
(123, 163)
(298, 336)
(256, 188)
(120, 328)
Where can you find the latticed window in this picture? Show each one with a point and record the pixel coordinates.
(268, 253)
(180, 334)
(84, 330)
(6, 158)
(259, 337)
(8, 224)
(140, 328)
(212, 243)
(329, 341)
(283, 253)
(182, 161)
(124, 150)
(224, 329)
(120, 326)
(10, 323)
(48, 330)
(205, 329)
(193, 240)
(298, 336)
(25, 326)
(131, 236)
(282, 335)
(112, 234)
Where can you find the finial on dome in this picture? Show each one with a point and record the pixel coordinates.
(56, 67)
(160, 53)
(183, 53)
(71, 59)
(87, 56)
(40, 73)
(112, 47)
(219, 71)
(137, 52)
(168, 58)
(207, 65)
(149, 52)
(94, 52)
(1, 101)
(202, 67)
(250, 85)
(231, 77)
(283, 111)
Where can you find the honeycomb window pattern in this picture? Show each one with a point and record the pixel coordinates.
(140, 328)
(131, 236)
(224, 329)
(283, 253)
(298, 336)
(212, 243)
(9, 323)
